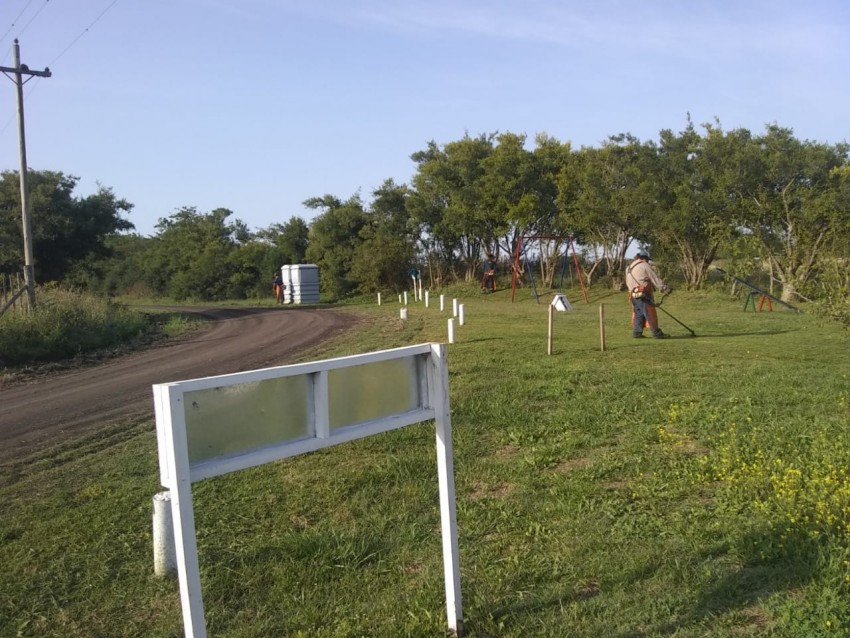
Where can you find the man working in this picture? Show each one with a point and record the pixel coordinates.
(642, 280)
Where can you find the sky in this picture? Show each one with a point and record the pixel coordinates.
(259, 105)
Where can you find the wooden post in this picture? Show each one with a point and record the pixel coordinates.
(602, 327)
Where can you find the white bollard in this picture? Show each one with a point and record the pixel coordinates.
(164, 554)
(451, 330)
(427, 299)
(442, 303)
(420, 289)
(403, 313)
(379, 299)
(405, 297)
(454, 307)
(460, 314)
(399, 298)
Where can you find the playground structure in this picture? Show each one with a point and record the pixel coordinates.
(570, 247)
(765, 298)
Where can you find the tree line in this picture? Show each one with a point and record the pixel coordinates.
(758, 201)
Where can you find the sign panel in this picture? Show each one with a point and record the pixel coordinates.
(210, 426)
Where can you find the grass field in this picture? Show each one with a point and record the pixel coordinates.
(686, 487)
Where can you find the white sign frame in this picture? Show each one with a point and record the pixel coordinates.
(177, 473)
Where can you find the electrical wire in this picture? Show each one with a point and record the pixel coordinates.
(15, 21)
(62, 53)
(35, 15)
(84, 31)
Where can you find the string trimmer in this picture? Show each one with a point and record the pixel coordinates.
(658, 305)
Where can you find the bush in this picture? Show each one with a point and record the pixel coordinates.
(65, 323)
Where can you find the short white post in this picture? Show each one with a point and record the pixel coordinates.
(451, 330)
(460, 314)
(442, 303)
(405, 297)
(549, 339)
(379, 299)
(399, 298)
(164, 557)
(427, 298)
(403, 313)
(420, 288)
(454, 307)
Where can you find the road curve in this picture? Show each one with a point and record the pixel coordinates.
(52, 408)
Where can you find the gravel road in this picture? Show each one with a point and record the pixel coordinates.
(52, 408)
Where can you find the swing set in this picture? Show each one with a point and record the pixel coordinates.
(576, 263)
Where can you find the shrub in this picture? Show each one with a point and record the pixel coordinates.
(65, 323)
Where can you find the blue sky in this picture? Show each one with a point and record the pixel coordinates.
(257, 105)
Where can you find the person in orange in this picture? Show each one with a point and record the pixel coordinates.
(642, 281)
(277, 286)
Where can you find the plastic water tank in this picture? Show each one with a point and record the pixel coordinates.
(300, 283)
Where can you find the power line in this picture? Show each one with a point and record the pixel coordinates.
(15, 21)
(37, 13)
(84, 31)
(62, 53)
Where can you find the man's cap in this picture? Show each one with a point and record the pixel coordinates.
(643, 255)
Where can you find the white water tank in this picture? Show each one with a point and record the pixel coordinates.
(300, 283)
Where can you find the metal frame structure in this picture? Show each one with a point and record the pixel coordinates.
(576, 263)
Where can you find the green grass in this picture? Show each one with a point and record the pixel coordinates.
(687, 487)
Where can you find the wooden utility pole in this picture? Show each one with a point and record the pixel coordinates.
(19, 71)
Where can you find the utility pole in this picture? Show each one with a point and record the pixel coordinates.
(19, 71)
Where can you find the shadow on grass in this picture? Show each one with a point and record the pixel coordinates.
(738, 592)
(723, 335)
(748, 581)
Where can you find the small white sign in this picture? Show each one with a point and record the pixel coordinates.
(560, 302)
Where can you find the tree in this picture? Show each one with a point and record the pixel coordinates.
(448, 200)
(607, 193)
(519, 196)
(788, 205)
(334, 237)
(120, 271)
(191, 255)
(66, 230)
(387, 249)
(695, 212)
(289, 240)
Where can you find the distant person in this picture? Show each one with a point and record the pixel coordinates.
(277, 287)
(642, 281)
(488, 282)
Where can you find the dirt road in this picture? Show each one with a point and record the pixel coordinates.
(53, 408)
